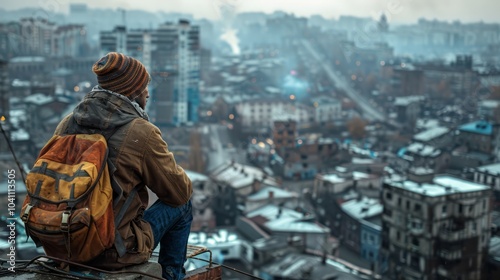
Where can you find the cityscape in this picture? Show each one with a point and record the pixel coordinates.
(348, 147)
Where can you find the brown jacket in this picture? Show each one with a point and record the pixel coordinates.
(141, 158)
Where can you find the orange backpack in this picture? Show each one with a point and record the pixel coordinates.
(69, 206)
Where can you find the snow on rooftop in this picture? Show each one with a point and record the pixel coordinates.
(195, 176)
(284, 219)
(491, 168)
(235, 79)
(273, 90)
(25, 59)
(407, 100)
(333, 178)
(264, 193)
(238, 175)
(423, 150)
(362, 209)
(17, 116)
(431, 134)
(426, 123)
(39, 99)
(360, 175)
(20, 83)
(421, 170)
(356, 160)
(19, 135)
(489, 103)
(442, 185)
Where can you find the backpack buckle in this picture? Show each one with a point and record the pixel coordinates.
(65, 221)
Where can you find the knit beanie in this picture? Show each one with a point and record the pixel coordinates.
(121, 74)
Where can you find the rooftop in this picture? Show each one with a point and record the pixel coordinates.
(301, 266)
(478, 127)
(282, 219)
(491, 168)
(489, 103)
(239, 176)
(407, 100)
(422, 150)
(265, 193)
(442, 185)
(195, 177)
(363, 208)
(431, 134)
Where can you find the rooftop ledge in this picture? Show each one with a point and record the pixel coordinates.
(148, 270)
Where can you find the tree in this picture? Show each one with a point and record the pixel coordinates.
(356, 127)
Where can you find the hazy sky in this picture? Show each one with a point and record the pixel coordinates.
(398, 11)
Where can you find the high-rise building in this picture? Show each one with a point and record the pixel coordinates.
(114, 40)
(69, 41)
(177, 51)
(437, 230)
(37, 35)
(171, 53)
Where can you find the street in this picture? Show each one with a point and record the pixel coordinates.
(222, 149)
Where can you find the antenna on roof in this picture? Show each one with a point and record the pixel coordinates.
(123, 11)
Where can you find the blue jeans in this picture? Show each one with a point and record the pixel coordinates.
(171, 227)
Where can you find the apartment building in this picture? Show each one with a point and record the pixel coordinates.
(171, 53)
(437, 230)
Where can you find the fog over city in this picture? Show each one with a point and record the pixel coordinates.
(403, 11)
(350, 139)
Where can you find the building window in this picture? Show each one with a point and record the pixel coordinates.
(388, 195)
(417, 207)
(444, 209)
(415, 242)
(388, 212)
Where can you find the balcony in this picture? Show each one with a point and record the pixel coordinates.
(453, 235)
(416, 230)
(415, 225)
(450, 255)
(388, 219)
(413, 248)
(441, 271)
(413, 271)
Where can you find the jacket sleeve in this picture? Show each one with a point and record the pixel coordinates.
(161, 173)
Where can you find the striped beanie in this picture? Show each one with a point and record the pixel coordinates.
(121, 74)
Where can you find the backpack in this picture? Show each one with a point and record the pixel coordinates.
(68, 208)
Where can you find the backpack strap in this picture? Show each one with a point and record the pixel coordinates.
(119, 245)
